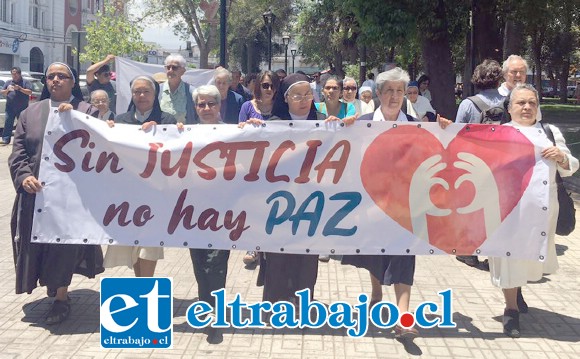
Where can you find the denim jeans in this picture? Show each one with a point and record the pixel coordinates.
(9, 124)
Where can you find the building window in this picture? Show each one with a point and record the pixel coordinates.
(34, 14)
(3, 10)
(73, 6)
(12, 12)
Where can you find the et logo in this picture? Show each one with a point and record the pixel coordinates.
(136, 313)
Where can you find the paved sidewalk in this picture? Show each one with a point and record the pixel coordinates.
(551, 329)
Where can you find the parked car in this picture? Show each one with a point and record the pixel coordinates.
(547, 91)
(37, 87)
(571, 91)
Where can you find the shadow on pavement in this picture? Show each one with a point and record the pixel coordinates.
(83, 318)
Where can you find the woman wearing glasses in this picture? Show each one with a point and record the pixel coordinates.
(144, 110)
(332, 107)
(260, 107)
(349, 90)
(49, 265)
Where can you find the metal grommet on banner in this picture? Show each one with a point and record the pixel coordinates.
(281, 249)
(453, 251)
(543, 234)
(189, 128)
(291, 124)
(257, 248)
(46, 158)
(369, 125)
(467, 128)
(43, 183)
(383, 250)
(136, 242)
(264, 124)
(185, 244)
(49, 133)
(161, 243)
(85, 240)
(342, 124)
(358, 251)
(541, 258)
(111, 240)
(508, 254)
(332, 251)
(545, 208)
(431, 251)
(39, 210)
(35, 238)
(58, 240)
(545, 182)
(394, 125)
(87, 117)
(234, 246)
(317, 124)
(408, 251)
(307, 250)
(493, 129)
(478, 251)
(55, 111)
(418, 125)
(215, 128)
(209, 245)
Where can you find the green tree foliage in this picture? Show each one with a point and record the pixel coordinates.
(247, 34)
(112, 33)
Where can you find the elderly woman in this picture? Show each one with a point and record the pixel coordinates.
(332, 107)
(511, 274)
(231, 101)
(210, 266)
(349, 90)
(418, 106)
(100, 100)
(397, 270)
(145, 111)
(365, 93)
(51, 265)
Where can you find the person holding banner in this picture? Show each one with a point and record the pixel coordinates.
(210, 266)
(398, 270)
(144, 110)
(511, 274)
(175, 95)
(50, 265)
(284, 274)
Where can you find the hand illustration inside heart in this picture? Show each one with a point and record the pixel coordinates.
(392, 159)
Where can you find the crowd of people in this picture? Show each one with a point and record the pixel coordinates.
(268, 96)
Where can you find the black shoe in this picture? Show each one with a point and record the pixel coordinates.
(511, 323)
(522, 305)
(471, 261)
(58, 312)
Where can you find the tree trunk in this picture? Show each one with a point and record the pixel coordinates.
(537, 40)
(513, 38)
(487, 31)
(563, 81)
(436, 51)
(203, 57)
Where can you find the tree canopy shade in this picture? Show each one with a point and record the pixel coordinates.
(112, 33)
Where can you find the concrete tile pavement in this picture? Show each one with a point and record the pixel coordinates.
(550, 330)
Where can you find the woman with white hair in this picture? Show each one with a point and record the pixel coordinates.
(207, 100)
(365, 93)
(349, 90)
(397, 270)
(144, 110)
(418, 106)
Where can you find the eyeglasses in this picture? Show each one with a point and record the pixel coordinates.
(349, 88)
(172, 67)
(99, 102)
(60, 76)
(299, 98)
(203, 105)
(267, 86)
(328, 88)
(139, 93)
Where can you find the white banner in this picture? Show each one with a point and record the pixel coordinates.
(295, 187)
(127, 70)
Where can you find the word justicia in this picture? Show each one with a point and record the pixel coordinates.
(307, 313)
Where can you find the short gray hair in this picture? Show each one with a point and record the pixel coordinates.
(506, 64)
(207, 90)
(349, 79)
(521, 87)
(396, 74)
(221, 72)
(177, 58)
(99, 92)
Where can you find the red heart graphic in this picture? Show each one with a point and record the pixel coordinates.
(392, 159)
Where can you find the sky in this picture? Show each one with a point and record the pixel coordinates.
(163, 36)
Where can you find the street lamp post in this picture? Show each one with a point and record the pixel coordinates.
(293, 52)
(286, 42)
(269, 19)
